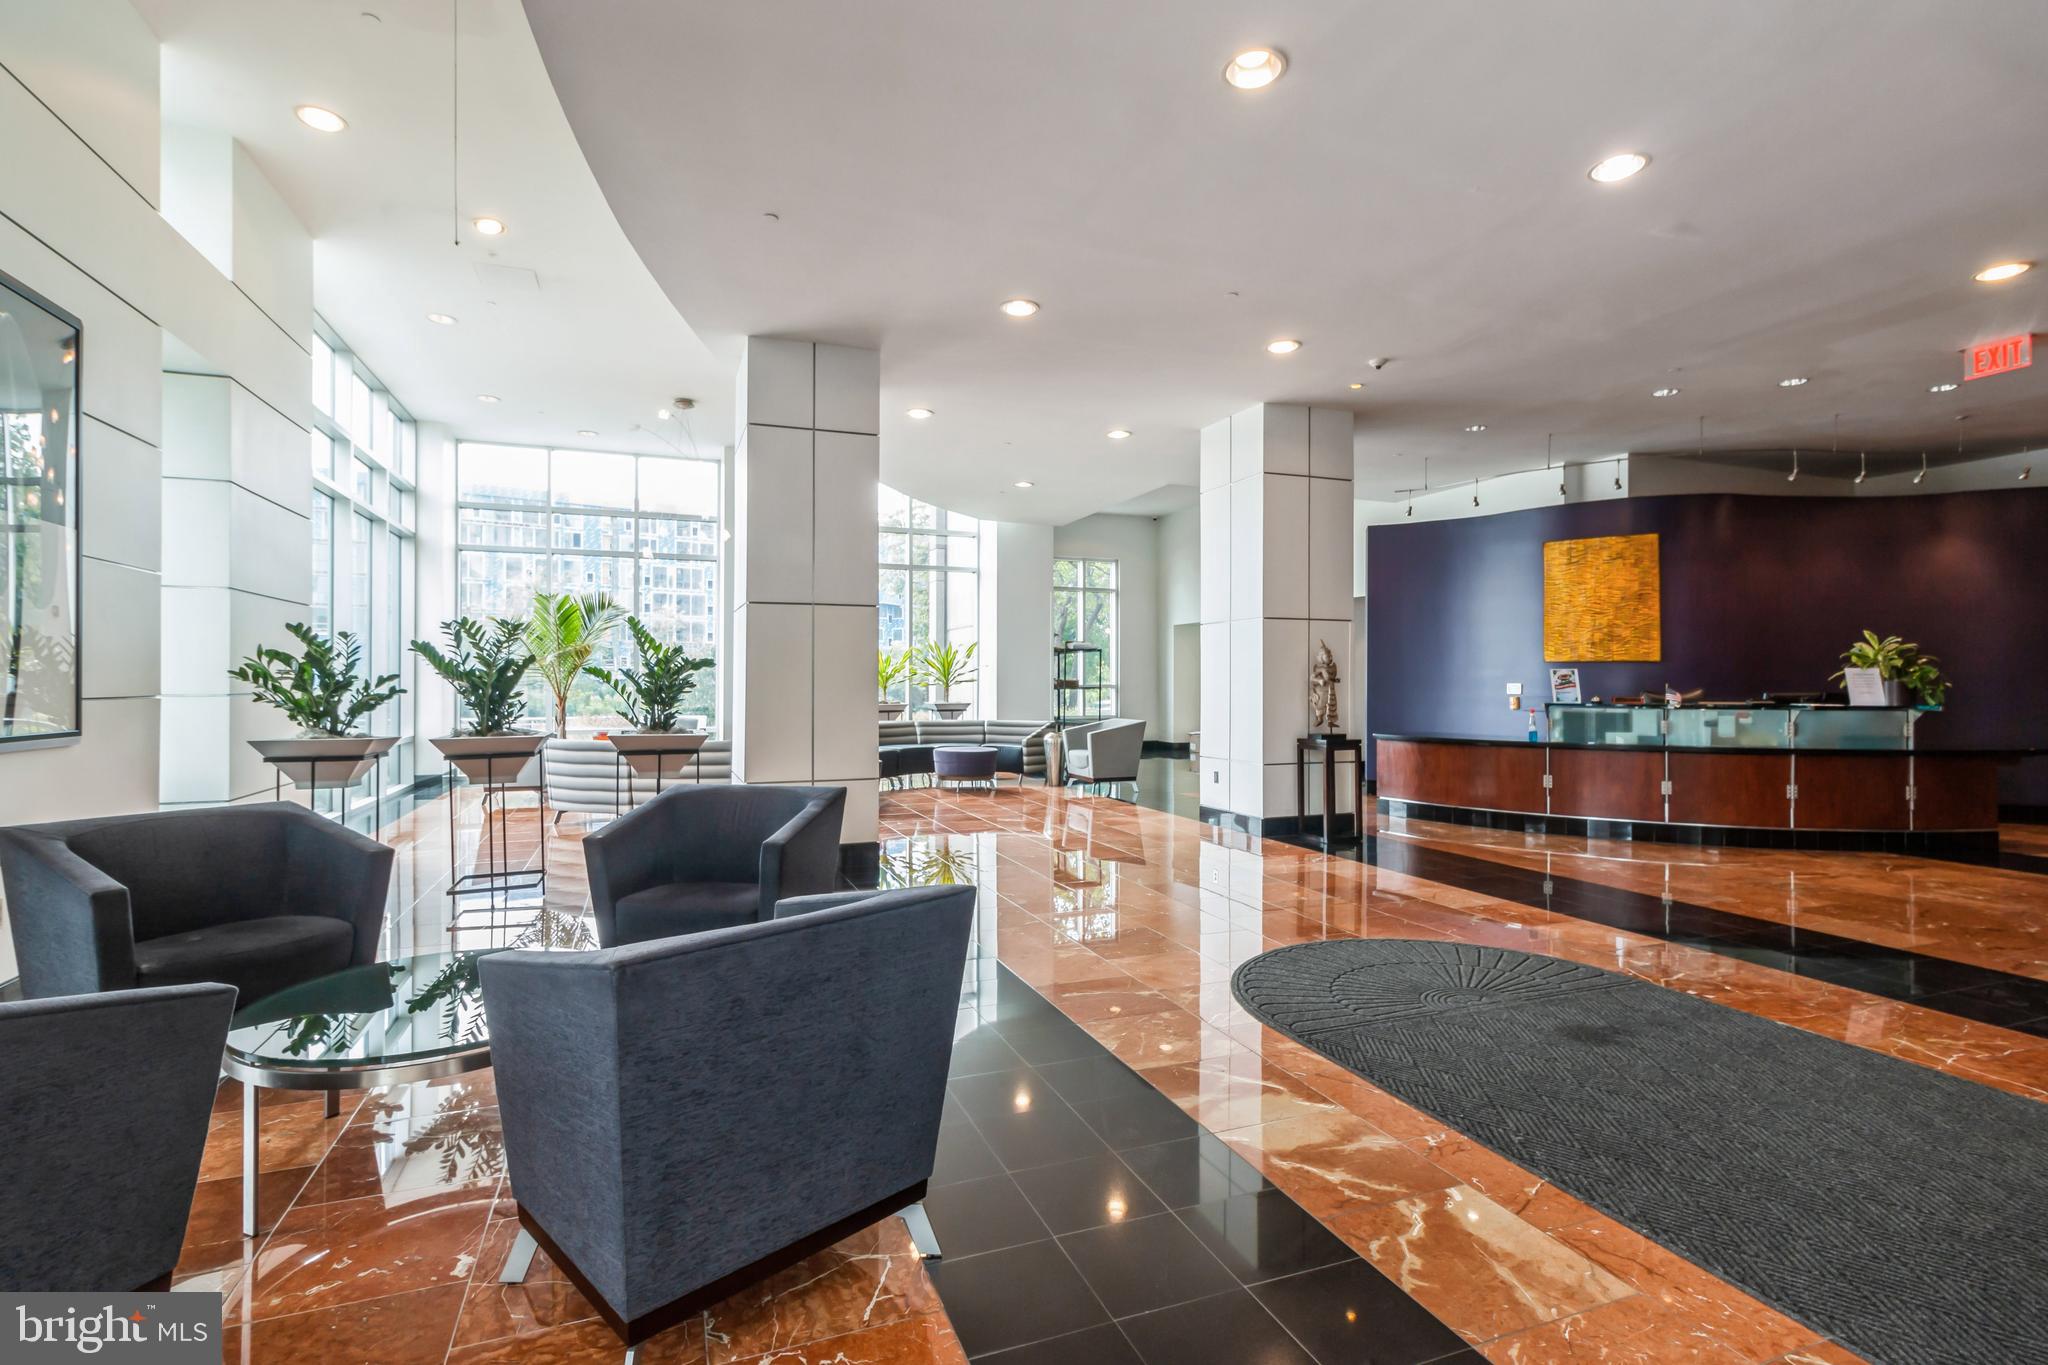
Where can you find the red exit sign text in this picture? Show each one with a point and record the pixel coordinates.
(1998, 357)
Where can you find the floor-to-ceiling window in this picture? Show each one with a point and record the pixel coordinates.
(929, 561)
(642, 529)
(1084, 613)
(364, 451)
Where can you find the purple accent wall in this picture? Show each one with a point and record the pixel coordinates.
(1760, 594)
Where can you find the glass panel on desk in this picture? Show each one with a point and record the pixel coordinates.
(1730, 727)
(1571, 723)
(1852, 727)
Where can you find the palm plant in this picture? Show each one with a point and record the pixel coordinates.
(945, 666)
(485, 662)
(562, 633)
(892, 666)
(652, 695)
(321, 689)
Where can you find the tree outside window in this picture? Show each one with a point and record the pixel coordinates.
(929, 563)
(1084, 612)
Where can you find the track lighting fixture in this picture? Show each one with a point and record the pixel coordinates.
(1923, 468)
(2026, 473)
(1793, 477)
(1863, 467)
(1475, 492)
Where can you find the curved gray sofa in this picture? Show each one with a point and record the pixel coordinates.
(583, 775)
(684, 1118)
(906, 745)
(261, 897)
(104, 1104)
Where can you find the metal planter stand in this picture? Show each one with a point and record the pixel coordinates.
(499, 879)
(283, 755)
(657, 747)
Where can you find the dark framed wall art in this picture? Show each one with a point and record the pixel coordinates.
(40, 361)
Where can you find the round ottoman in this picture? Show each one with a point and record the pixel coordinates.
(964, 763)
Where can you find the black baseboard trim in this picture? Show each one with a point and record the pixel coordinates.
(1279, 826)
(637, 1330)
(2019, 814)
(861, 863)
(1166, 748)
(1705, 836)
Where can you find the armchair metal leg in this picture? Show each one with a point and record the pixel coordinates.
(520, 1259)
(921, 1235)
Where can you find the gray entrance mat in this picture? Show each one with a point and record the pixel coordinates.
(1899, 1211)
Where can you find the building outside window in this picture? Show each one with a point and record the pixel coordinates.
(929, 562)
(643, 529)
(1084, 612)
(362, 534)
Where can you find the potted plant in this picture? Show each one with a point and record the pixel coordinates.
(324, 692)
(946, 666)
(1901, 666)
(892, 666)
(562, 632)
(485, 662)
(652, 697)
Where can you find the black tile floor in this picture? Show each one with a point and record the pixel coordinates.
(1087, 1221)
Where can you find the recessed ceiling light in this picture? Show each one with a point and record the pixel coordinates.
(1943, 388)
(1020, 308)
(586, 432)
(917, 414)
(1022, 483)
(1119, 435)
(1620, 166)
(663, 413)
(2004, 270)
(1664, 393)
(1284, 346)
(1477, 426)
(441, 318)
(1794, 382)
(487, 398)
(320, 120)
(489, 227)
(1356, 385)
(1255, 68)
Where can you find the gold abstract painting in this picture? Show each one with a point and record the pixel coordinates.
(1602, 600)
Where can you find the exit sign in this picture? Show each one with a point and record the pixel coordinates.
(1999, 357)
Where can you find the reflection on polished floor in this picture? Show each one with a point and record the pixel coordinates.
(1132, 1168)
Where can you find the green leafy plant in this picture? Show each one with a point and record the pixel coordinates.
(562, 633)
(485, 662)
(322, 689)
(1900, 661)
(892, 666)
(652, 695)
(945, 666)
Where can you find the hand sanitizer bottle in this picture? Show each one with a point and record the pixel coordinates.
(1533, 736)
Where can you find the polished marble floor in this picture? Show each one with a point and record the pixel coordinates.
(1133, 1169)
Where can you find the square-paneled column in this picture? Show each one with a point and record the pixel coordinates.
(804, 577)
(1276, 535)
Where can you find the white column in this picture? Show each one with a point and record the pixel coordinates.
(804, 578)
(1276, 582)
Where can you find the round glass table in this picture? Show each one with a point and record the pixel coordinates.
(415, 1019)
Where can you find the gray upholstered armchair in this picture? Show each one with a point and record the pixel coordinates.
(261, 897)
(1105, 750)
(685, 1117)
(698, 858)
(104, 1102)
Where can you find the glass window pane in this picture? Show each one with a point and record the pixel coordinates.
(359, 581)
(683, 487)
(894, 548)
(893, 508)
(668, 536)
(497, 582)
(501, 474)
(961, 594)
(323, 564)
(1066, 617)
(893, 614)
(961, 524)
(323, 376)
(513, 530)
(592, 531)
(360, 482)
(923, 514)
(358, 409)
(323, 454)
(960, 552)
(1066, 573)
(585, 479)
(1101, 572)
(594, 573)
(925, 550)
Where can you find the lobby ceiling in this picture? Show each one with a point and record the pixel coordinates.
(558, 318)
(1824, 180)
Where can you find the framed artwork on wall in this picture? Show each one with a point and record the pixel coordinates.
(40, 360)
(1602, 600)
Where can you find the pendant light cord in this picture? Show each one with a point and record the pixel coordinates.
(455, 120)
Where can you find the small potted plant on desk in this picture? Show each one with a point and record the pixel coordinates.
(946, 666)
(485, 662)
(322, 690)
(1904, 670)
(652, 697)
(892, 666)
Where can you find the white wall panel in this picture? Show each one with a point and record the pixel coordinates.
(118, 649)
(1329, 443)
(844, 472)
(198, 628)
(267, 451)
(123, 493)
(1215, 468)
(1216, 691)
(1283, 681)
(842, 699)
(1247, 569)
(848, 389)
(1283, 556)
(1247, 444)
(272, 553)
(775, 383)
(775, 745)
(1284, 443)
(1215, 553)
(1329, 547)
(775, 506)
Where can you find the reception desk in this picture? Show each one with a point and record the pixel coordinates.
(1687, 773)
